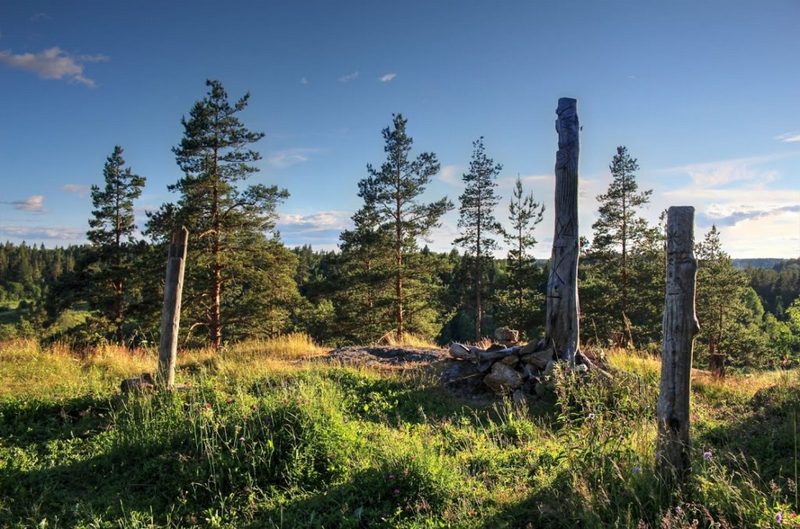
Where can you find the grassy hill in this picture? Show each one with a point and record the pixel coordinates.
(265, 437)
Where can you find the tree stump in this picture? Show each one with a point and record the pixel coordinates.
(171, 314)
(680, 327)
(562, 326)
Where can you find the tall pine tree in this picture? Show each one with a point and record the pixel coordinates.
(619, 232)
(393, 191)
(477, 221)
(230, 258)
(111, 233)
(521, 306)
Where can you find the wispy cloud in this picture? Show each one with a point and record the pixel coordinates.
(322, 220)
(303, 80)
(348, 77)
(722, 172)
(34, 204)
(789, 137)
(53, 63)
(449, 174)
(42, 233)
(38, 17)
(288, 157)
(321, 229)
(724, 215)
(385, 78)
(77, 189)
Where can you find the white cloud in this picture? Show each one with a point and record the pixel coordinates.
(53, 63)
(320, 221)
(303, 80)
(449, 174)
(385, 78)
(78, 189)
(348, 77)
(34, 203)
(289, 157)
(32, 233)
(789, 137)
(712, 174)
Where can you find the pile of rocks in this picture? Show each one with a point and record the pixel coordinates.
(508, 367)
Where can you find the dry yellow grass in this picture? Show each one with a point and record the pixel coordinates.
(743, 385)
(28, 369)
(409, 340)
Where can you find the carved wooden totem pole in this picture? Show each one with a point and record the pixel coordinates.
(562, 327)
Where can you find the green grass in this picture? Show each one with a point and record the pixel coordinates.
(264, 437)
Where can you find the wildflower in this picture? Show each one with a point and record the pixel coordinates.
(636, 470)
(396, 492)
(241, 439)
(590, 416)
(678, 510)
(779, 518)
(707, 455)
(391, 477)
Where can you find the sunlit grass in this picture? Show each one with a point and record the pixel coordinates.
(408, 340)
(263, 436)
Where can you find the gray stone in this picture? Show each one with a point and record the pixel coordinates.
(510, 360)
(140, 384)
(539, 359)
(549, 368)
(519, 398)
(459, 351)
(503, 379)
(505, 335)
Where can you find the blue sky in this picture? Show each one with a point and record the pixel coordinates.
(704, 94)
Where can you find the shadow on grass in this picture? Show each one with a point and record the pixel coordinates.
(767, 433)
(146, 478)
(37, 421)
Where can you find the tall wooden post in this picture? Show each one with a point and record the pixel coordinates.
(562, 325)
(680, 327)
(171, 314)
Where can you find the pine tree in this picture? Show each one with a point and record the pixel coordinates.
(394, 191)
(477, 221)
(364, 302)
(521, 307)
(111, 233)
(728, 310)
(227, 224)
(618, 231)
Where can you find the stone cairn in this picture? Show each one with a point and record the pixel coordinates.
(507, 367)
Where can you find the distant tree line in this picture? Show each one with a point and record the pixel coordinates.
(384, 283)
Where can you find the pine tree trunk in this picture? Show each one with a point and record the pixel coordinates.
(478, 281)
(562, 325)
(215, 327)
(399, 264)
(680, 327)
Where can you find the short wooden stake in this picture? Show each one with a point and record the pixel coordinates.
(171, 314)
(680, 327)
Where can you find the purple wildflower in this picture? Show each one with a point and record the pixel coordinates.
(779, 517)
(678, 510)
(636, 470)
(707, 455)
(391, 477)
(396, 492)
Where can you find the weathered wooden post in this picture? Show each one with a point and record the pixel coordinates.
(171, 314)
(562, 326)
(680, 327)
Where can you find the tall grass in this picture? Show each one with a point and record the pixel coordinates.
(261, 438)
